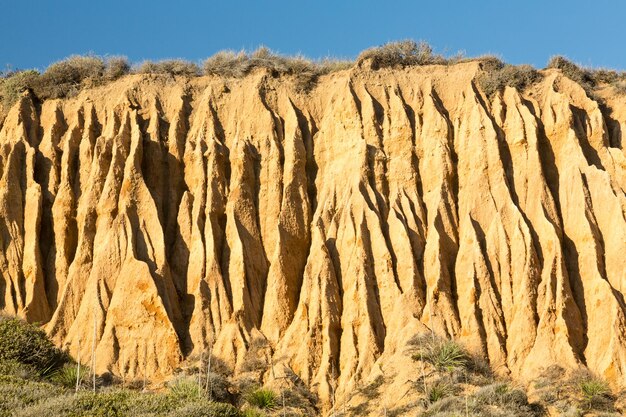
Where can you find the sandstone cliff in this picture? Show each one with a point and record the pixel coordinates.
(171, 216)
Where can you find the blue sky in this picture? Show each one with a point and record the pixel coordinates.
(35, 33)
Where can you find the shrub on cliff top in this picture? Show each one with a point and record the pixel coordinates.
(401, 53)
(572, 71)
(239, 64)
(67, 77)
(64, 78)
(169, 66)
(13, 84)
(116, 67)
(494, 77)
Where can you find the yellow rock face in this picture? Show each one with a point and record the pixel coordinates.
(159, 216)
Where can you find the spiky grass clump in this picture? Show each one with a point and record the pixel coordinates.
(262, 398)
(444, 354)
(438, 391)
(595, 393)
(185, 388)
(70, 376)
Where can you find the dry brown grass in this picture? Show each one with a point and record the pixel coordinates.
(67, 77)
(495, 77)
(304, 71)
(173, 67)
(64, 78)
(401, 53)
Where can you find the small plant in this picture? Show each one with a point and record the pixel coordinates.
(444, 354)
(262, 398)
(185, 388)
(595, 393)
(438, 391)
(448, 355)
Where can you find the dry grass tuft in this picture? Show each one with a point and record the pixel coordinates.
(401, 53)
(173, 67)
(496, 77)
(305, 72)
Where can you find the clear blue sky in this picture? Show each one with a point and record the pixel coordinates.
(35, 33)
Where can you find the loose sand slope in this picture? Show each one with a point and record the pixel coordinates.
(177, 214)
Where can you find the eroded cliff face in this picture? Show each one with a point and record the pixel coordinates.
(169, 216)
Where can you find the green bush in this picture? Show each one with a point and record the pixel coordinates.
(27, 344)
(17, 393)
(206, 409)
(150, 404)
(18, 369)
(262, 398)
(102, 404)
